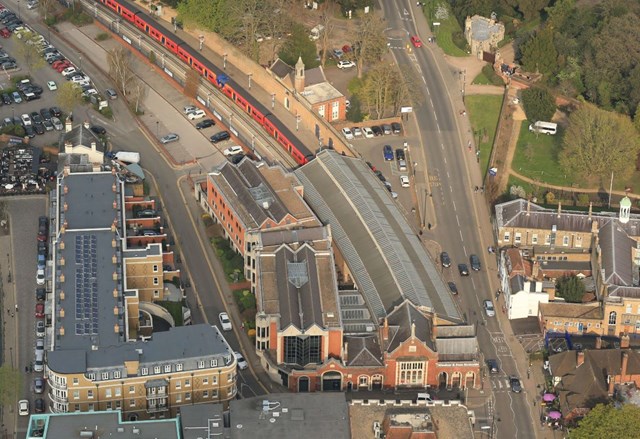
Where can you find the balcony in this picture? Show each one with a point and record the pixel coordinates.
(58, 399)
(157, 408)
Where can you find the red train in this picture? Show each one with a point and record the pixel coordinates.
(294, 147)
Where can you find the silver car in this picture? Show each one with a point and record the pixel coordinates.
(171, 137)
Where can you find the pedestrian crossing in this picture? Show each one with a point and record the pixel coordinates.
(500, 383)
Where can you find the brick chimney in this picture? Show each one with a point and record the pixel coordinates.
(535, 270)
(625, 363)
(598, 342)
(590, 210)
(559, 209)
(624, 341)
(611, 382)
(385, 330)
(580, 360)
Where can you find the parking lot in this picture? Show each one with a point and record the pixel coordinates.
(23, 170)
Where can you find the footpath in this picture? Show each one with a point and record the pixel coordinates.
(9, 319)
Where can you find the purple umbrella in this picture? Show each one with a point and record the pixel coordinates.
(554, 414)
(548, 397)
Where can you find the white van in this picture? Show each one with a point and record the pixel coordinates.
(547, 128)
(316, 32)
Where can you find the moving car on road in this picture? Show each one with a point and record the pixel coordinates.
(516, 386)
(488, 308)
(242, 363)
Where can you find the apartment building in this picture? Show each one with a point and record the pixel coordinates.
(102, 352)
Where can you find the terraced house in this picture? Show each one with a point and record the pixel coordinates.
(102, 349)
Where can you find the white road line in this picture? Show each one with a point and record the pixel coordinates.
(462, 239)
(458, 220)
(424, 80)
(454, 205)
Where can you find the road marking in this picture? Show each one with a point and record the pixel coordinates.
(461, 238)
(458, 220)
(454, 205)
(424, 80)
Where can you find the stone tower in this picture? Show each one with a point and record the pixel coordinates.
(625, 210)
(299, 78)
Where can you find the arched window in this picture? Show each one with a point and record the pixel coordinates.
(612, 318)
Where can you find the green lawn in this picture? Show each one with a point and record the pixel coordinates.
(445, 31)
(484, 111)
(536, 157)
(488, 77)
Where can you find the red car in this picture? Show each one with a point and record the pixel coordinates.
(62, 66)
(5, 32)
(39, 310)
(416, 41)
(58, 63)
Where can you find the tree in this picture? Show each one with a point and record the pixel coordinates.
(46, 7)
(10, 385)
(539, 53)
(27, 50)
(137, 90)
(570, 288)
(68, 96)
(299, 45)
(207, 14)
(369, 41)
(598, 143)
(191, 83)
(538, 103)
(326, 20)
(609, 422)
(384, 87)
(119, 61)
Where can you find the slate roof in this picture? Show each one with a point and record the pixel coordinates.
(281, 69)
(80, 135)
(571, 310)
(384, 254)
(400, 322)
(617, 254)
(363, 351)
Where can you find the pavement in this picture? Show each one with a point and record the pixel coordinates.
(9, 329)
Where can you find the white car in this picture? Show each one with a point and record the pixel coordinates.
(225, 322)
(368, 133)
(189, 108)
(488, 308)
(404, 181)
(242, 363)
(26, 119)
(23, 407)
(233, 150)
(196, 114)
(346, 132)
(40, 276)
(68, 71)
(357, 132)
(346, 64)
(52, 85)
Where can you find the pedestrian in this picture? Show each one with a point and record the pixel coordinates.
(429, 226)
(16, 307)
(26, 369)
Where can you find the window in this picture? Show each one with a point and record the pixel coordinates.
(578, 241)
(612, 317)
(205, 381)
(302, 350)
(178, 384)
(507, 236)
(116, 374)
(109, 405)
(205, 394)
(91, 376)
(144, 371)
(76, 381)
(132, 403)
(76, 407)
(132, 389)
(105, 375)
(155, 268)
(118, 391)
(565, 241)
(534, 239)
(230, 377)
(363, 381)
(156, 294)
(335, 110)
(629, 309)
(76, 394)
(412, 348)
(214, 393)
(187, 382)
(107, 393)
(167, 368)
(214, 380)
(547, 239)
(179, 367)
(201, 364)
(118, 405)
(156, 369)
(178, 397)
(410, 372)
(155, 281)
(90, 394)
(517, 238)
(214, 363)
(90, 407)
(321, 110)
(187, 396)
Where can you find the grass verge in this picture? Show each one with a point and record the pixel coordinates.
(448, 32)
(484, 112)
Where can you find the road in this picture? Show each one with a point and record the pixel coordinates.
(455, 210)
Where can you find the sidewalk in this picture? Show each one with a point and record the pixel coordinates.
(9, 319)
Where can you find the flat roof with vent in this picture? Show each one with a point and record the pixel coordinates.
(383, 252)
(98, 425)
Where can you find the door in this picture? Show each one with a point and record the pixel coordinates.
(303, 384)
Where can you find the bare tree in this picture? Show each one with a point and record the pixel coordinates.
(278, 25)
(27, 50)
(119, 61)
(369, 41)
(45, 7)
(326, 20)
(137, 91)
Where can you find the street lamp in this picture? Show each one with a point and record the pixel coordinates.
(20, 18)
(157, 128)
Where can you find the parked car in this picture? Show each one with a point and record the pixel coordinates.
(206, 123)
(225, 322)
(463, 270)
(386, 129)
(111, 93)
(40, 328)
(56, 111)
(236, 158)
(396, 128)
(242, 363)
(26, 119)
(452, 287)
(232, 150)
(346, 132)
(368, 133)
(38, 385)
(39, 310)
(445, 260)
(23, 407)
(17, 99)
(488, 308)
(57, 124)
(146, 213)
(39, 344)
(400, 154)
(196, 114)
(189, 108)
(46, 114)
(98, 130)
(346, 64)
(475, 262)
(377, 131)
(357, 132)
(220, 137)
(39, 405)
(40, 276)
(404, 181)
(171, 137)
(41, 294)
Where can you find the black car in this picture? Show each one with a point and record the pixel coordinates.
(43, 225)
(445, 260)
(41, 294)
(236, 158)
(452, 287)
(46, 114)
(206, 123)
(516, 387)
(98, 129)
(146, 213)
(55, 111)
(39, 128)
(379, 175)
(220, 137)
(39, 405)
(396, 128)
(463, 269)
(492, 365)
(475, 262)
(29, 131)
(400, 154)
(35, 116)
(6, 99)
